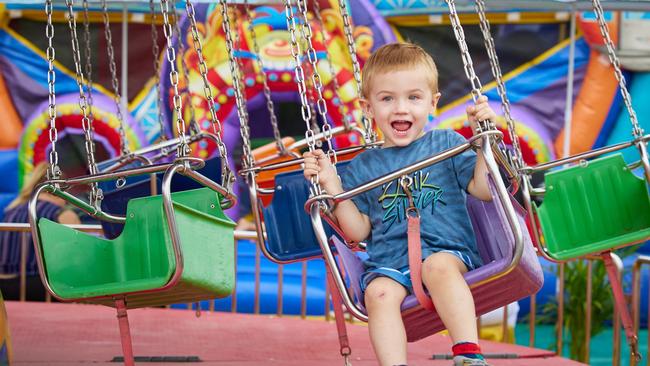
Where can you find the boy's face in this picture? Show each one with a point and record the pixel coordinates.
(400, 102)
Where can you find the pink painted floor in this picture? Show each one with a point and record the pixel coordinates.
(73, 334)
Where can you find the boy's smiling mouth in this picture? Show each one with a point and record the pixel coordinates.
(401, 127)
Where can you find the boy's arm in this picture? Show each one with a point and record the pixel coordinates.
(478, 186)
(354, 224)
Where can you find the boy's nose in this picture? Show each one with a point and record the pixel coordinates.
(401, 106)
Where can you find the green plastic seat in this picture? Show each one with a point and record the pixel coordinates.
(594, 208)
(80, 266)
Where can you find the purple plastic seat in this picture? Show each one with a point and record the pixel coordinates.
(496, 246)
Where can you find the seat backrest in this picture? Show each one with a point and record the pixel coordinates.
(116, 199)
(592, 203)
(288, 227)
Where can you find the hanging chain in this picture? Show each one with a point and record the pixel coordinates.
(467, 60)
(300, 75)
(501, 87)
(89, 65)
(265, 84)
(330, 64)
(310, 88)
(370, 134)
(227, 178)
(183, 149)
(108, 34)
(637, 131)
(96, 193)
(237, 46)
(302, 87)
(306, 32)
(155, 50)
(244, 129)
(194, 125)
(53, 171)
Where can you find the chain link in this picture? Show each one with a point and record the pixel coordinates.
(89, 64)
(155, 51)
(237, 46)
(501, 87)
(302, 87)
(468, 65)
(316, 79)
(108, 34)
(265, 84)
(247, 158)
(183, 149)
(96, 193)
(330, 64)
(53, 172)
(370, 134)
(227, 178)
(637, 131)
(194, 124)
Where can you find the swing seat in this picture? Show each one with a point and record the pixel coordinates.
(495, 243)
(116, 199)
(594, 208)
(290, 235)
(81, 266)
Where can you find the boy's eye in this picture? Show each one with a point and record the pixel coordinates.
(414, 97)
(387, 98)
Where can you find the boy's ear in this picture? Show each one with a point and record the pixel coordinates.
(435, 99)
(365, 107)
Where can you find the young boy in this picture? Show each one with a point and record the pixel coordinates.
(400, 92)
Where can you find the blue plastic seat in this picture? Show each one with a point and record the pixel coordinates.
(290, 236)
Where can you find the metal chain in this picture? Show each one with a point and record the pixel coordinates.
(89, 64)
(330, 64)
(637, 131)
(370, 134)
(237, 45)
(244, 129)
(194, 124)
(300, 75)
(302, 87)
(227, 178)
(501, 87)
(155, 50)
(124, 142)
(265, 84)
(53, 171)
(310, 89)
(183, 149)
(306, 32)
(96, 193)
(467, 59)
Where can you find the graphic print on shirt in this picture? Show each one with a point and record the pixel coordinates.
(394, 201)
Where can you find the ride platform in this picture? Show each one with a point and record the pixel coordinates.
(77, 334)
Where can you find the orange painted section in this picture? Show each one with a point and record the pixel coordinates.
(591, 106)
(591, 31)
(12, 126)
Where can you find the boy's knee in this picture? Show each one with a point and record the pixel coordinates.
(384, 291)
(440, 265)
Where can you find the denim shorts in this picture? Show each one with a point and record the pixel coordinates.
(403, 275)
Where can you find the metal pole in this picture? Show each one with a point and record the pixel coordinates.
(125, 57)
(569, 89)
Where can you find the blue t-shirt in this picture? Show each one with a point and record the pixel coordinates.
(439, 192)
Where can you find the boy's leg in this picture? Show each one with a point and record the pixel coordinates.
(442, 274)
(383, 298)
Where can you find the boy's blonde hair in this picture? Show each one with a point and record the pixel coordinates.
(394, 57)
